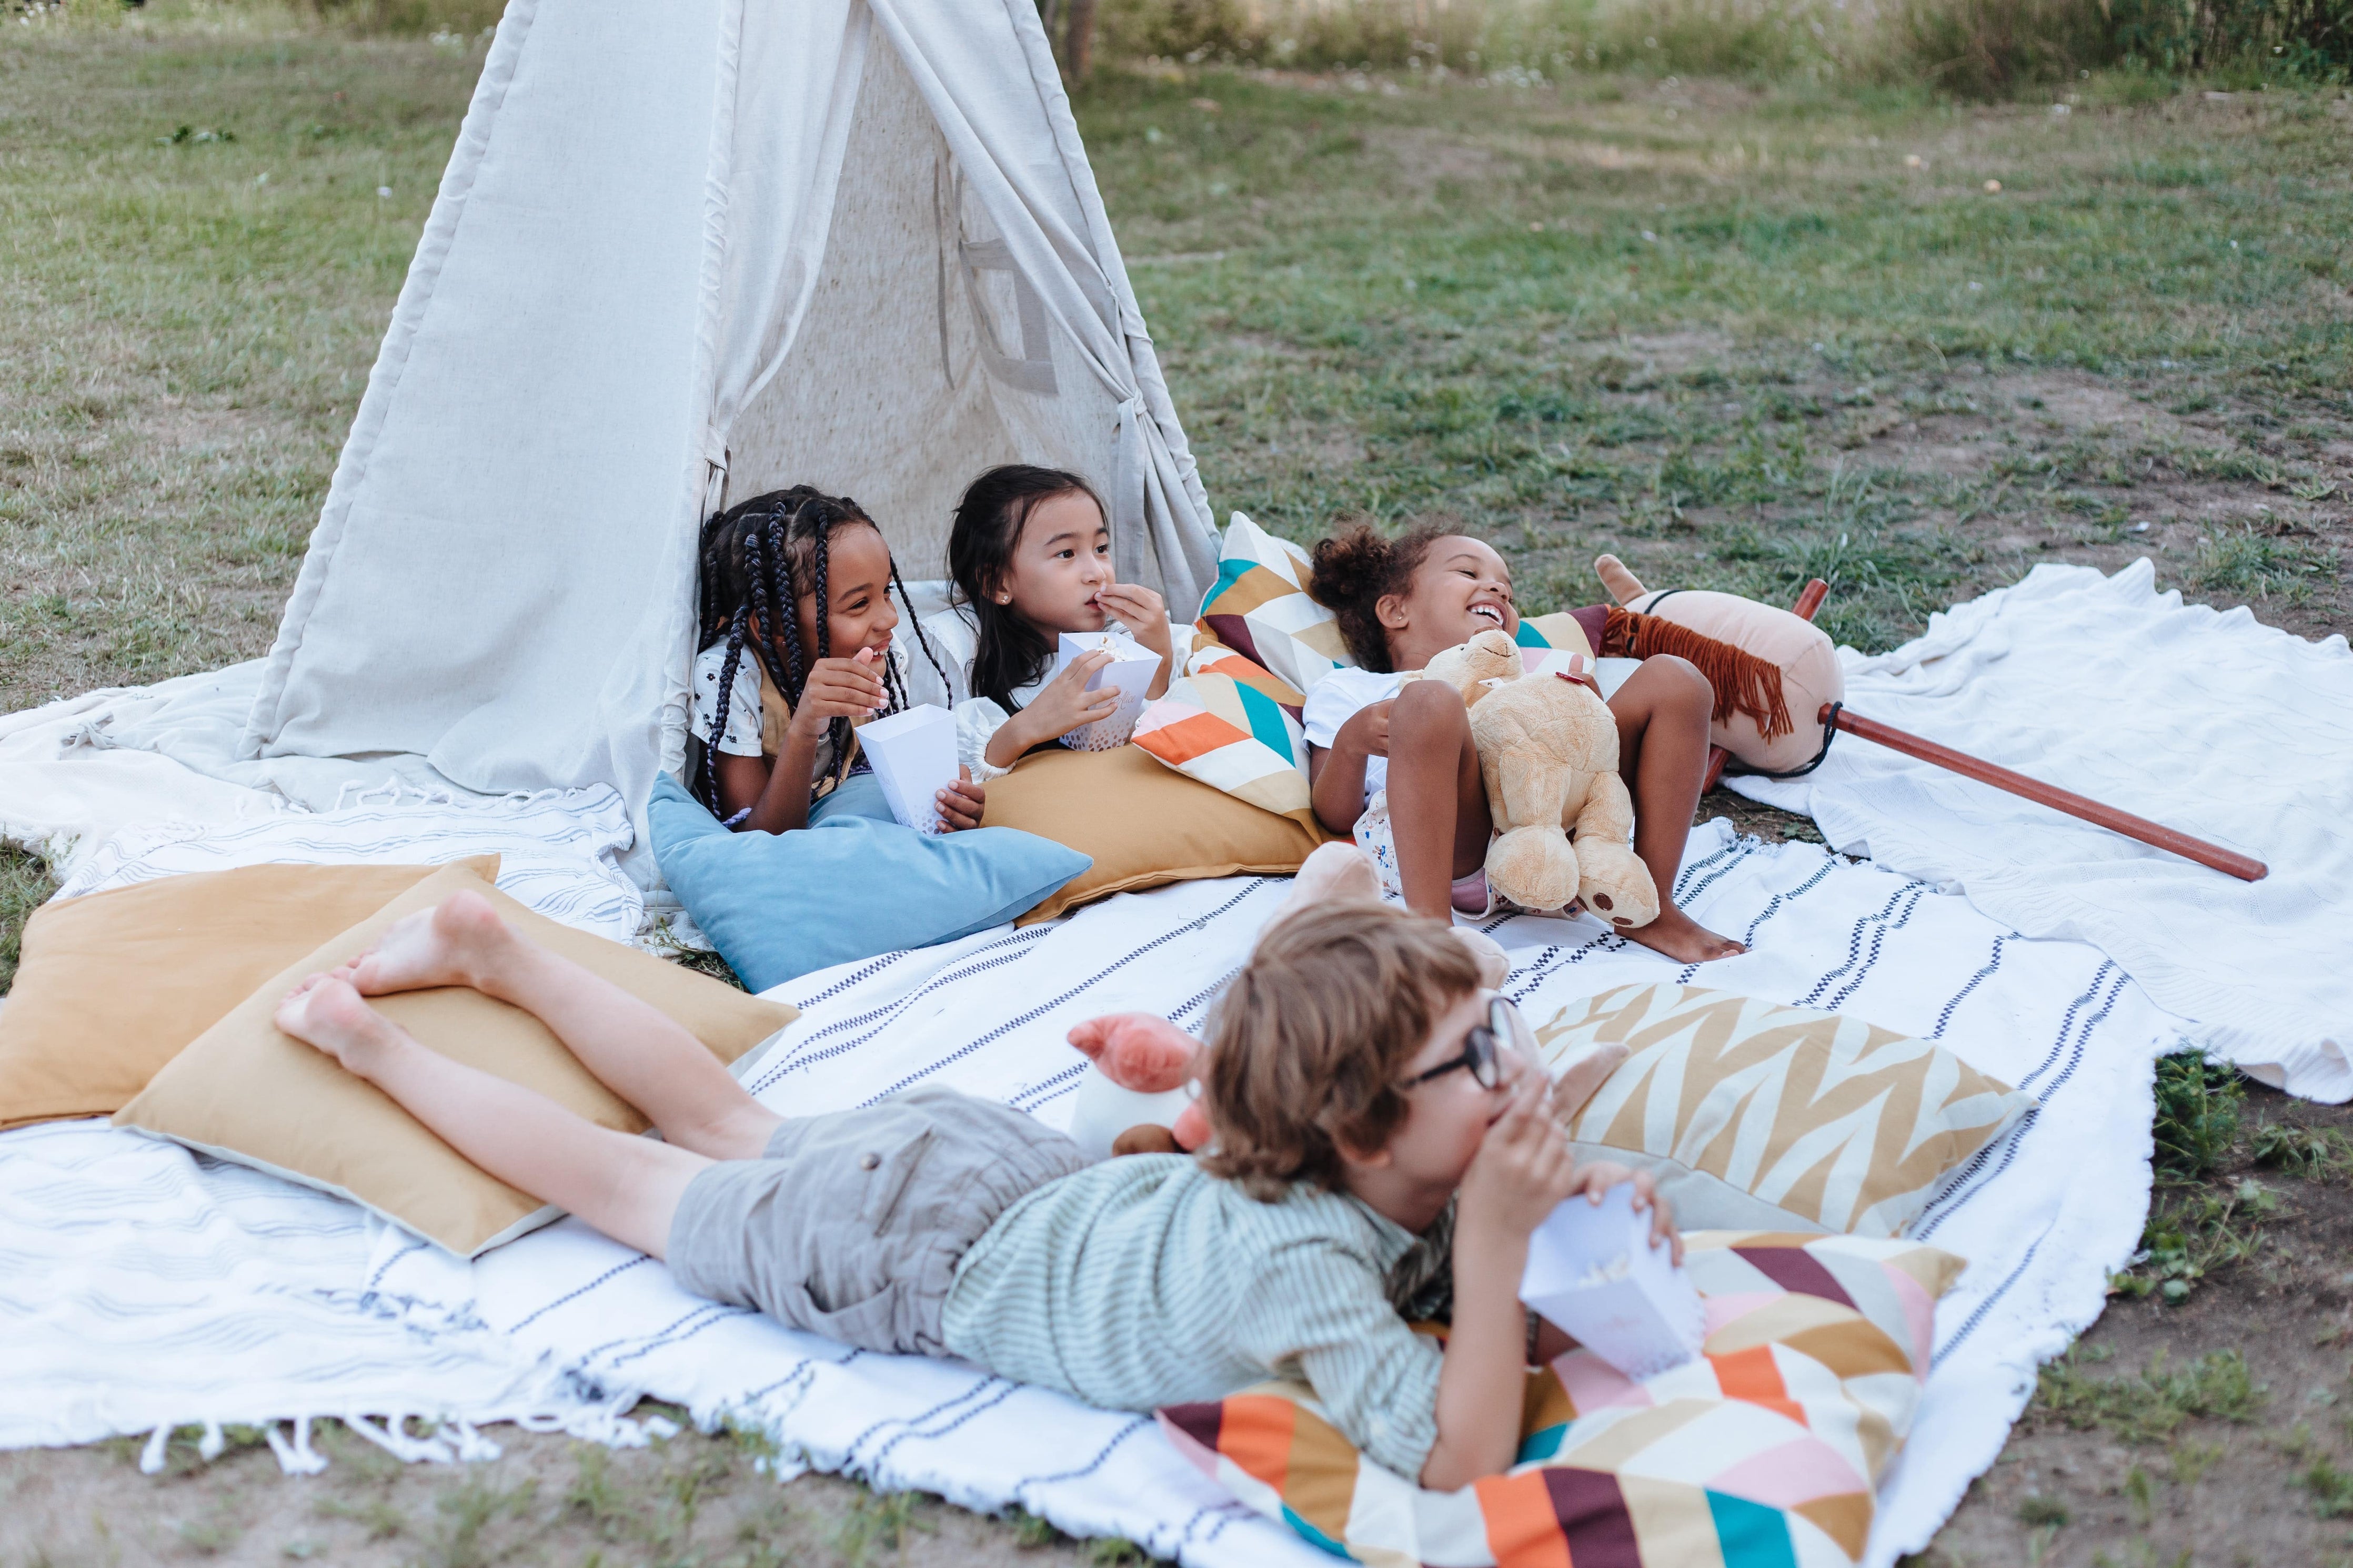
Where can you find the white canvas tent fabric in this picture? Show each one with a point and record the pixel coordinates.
(684, 256)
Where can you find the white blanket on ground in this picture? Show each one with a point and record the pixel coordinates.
(104, 1226)
(2206, 722)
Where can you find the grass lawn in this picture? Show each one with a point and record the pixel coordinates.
(1739, 337)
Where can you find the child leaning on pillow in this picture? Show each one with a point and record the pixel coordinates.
(1030, 559)
(795, 586)
(1358, 1092)
(1391, 759)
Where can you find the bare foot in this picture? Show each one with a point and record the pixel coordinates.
(1677, 935)
(325, 1013)
(449, 944)
(1137, 1050)
(1574, 1087)
(1334, 871)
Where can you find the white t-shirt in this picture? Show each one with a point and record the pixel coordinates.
(956, 639)
(742, 738)
(1339, 697)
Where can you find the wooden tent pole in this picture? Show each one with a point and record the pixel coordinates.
(2240, 865)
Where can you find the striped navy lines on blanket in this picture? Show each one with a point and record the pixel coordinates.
(1992, 963)
(996, 955)
(1859, 964)
(980, 1042)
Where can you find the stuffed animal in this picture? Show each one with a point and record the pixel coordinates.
(1772, 670)
(1139, 1096)
(1548, 748)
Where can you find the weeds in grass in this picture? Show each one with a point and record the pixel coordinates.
(25, 886)
(2141, 1494)
(595, 1495)
(2313, 1153)
(2331, 1488)
(1109, 1552)
(2189, 1235)
(2150, 1407)
(2256, 564)
(879, 1520)
(377, 1516)
(2036, 1510)
(702, 959)
(1030, 1531)
(469, 1511)
(2198, 1105)
(2191, 1460)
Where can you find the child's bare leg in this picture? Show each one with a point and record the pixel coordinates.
(1662, 714)
(633, 1048)
(626, 1187)
(1438, 801)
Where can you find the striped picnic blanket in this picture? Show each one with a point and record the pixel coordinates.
(144, 1285)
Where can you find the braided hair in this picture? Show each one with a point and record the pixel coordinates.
(1008, 652)
(755, 558)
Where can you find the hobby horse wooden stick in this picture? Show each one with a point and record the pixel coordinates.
(2057, 799)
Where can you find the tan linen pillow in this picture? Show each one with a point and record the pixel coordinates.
(249, 1093)
(1144, 824)
(1755, 1116)
(112, 985)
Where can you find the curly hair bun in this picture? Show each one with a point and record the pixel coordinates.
(1357, 567)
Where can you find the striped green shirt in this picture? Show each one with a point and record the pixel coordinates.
(1143, 1281)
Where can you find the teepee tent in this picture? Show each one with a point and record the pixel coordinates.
(683, 254)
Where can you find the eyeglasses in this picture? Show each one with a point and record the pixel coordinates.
(1483, 1046)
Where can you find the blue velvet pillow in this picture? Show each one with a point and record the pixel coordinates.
(851, 884)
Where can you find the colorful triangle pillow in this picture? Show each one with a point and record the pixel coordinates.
(1764, 1450)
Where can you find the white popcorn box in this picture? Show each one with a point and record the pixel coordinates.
(1593, 1273)
(914, 755)
(1131, 669)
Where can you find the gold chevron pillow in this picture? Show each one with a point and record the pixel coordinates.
(1755, 1116)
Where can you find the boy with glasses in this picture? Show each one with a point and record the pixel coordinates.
(1362, 1087)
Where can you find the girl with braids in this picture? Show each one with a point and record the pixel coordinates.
(1392, 761)
(1030, 554)
(797, 586)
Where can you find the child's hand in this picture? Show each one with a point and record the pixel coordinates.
(1524, 1170)
(1066, 703)
(1599, 1177)
(961, 803)
(1367, 732)
(1144, 613)
(839, 689)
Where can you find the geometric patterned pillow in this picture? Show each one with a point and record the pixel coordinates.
(1752, 1114)
(1226, 726)
(1765, 1449)
(1260, 608)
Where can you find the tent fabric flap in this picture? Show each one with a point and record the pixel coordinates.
(852, 243)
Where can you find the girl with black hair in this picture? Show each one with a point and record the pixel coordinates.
(798, 646)
(1392, 761)
(1030, 556)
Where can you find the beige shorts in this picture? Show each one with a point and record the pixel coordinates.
(852, 1224)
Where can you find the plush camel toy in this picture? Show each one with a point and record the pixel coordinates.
(1548, 748)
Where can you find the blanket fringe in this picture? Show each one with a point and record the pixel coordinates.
(1743, 683)
(450, 1440)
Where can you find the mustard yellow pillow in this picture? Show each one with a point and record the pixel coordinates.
(1144, 824)
(114, 984)
(247, 1092)
(1751, 1115)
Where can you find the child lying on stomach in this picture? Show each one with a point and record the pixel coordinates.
(1357, 1089)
